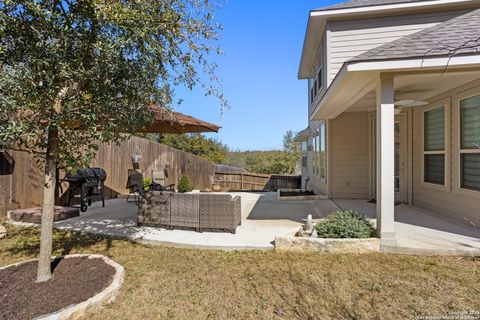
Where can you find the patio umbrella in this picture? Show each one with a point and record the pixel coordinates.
(166, 121)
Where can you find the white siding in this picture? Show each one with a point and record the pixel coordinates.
(350, 156)
(347, 39)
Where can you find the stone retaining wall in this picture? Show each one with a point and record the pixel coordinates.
(289, 242)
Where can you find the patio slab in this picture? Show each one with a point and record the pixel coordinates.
(263, 217)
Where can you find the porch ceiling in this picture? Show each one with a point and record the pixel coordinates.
(420, 87)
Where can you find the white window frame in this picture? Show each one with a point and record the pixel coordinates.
(320, 78)
(322, 135)
(315, 160)
(304, 153)
(446, 104)
(457, 144)
(319, 66)
(318, 89)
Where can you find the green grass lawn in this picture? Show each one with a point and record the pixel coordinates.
(170, 283)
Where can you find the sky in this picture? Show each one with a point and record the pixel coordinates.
(262, 43)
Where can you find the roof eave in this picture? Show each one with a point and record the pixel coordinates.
(375, 67)
(321, 17)
(386, 7)
(415, 63)
(309, 49)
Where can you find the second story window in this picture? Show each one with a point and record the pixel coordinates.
(316, 85)
(319, 79)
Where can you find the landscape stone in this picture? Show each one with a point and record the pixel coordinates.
(3, 232)
(34, 215)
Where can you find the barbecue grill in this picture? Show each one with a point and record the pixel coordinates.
(87, 185)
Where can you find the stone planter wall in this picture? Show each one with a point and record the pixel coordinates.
(289, 242)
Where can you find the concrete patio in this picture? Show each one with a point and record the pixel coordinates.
(263, 217)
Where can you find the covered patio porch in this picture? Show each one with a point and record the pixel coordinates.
(419, 231)
(398, 133)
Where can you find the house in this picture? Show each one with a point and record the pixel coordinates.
(394, 106)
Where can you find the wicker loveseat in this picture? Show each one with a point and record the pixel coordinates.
(189, 210)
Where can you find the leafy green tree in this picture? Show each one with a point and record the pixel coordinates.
(289, 143)
(78, 72)
(292, 151)
(269, 162)
(197, 144)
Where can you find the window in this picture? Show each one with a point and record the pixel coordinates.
(304, 153)
(316, 146)
(470, 143)
(316, 83)
(434, 146)
(322, 152)
(319, 79)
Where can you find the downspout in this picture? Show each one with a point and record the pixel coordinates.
(306, 183)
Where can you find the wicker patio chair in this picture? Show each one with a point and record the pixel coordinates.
(220, 211)
(159, 181)
(154, 209)
(185, 209)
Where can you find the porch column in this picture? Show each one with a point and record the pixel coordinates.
(385, 160)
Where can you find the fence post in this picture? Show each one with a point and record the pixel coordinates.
(242, 181)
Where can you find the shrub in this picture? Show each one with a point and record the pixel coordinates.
(344, 224)
(184, 185)
(147, 183)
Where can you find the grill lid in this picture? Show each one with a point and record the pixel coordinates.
(100, 174)
(88, 174)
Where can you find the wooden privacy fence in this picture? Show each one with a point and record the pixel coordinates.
(230, 181)
(21, 179)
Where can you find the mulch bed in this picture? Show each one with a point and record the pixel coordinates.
(74, 280)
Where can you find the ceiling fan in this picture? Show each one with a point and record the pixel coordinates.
(408, 103)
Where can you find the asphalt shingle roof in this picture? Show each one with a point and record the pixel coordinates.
(363, 3)
(462, 33)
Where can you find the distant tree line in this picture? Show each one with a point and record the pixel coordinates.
(194, 143)
(283, 161)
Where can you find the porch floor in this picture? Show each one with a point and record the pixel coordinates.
(423, 232)
(263, 217)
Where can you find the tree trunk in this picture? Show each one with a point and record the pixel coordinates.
(44, 272)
